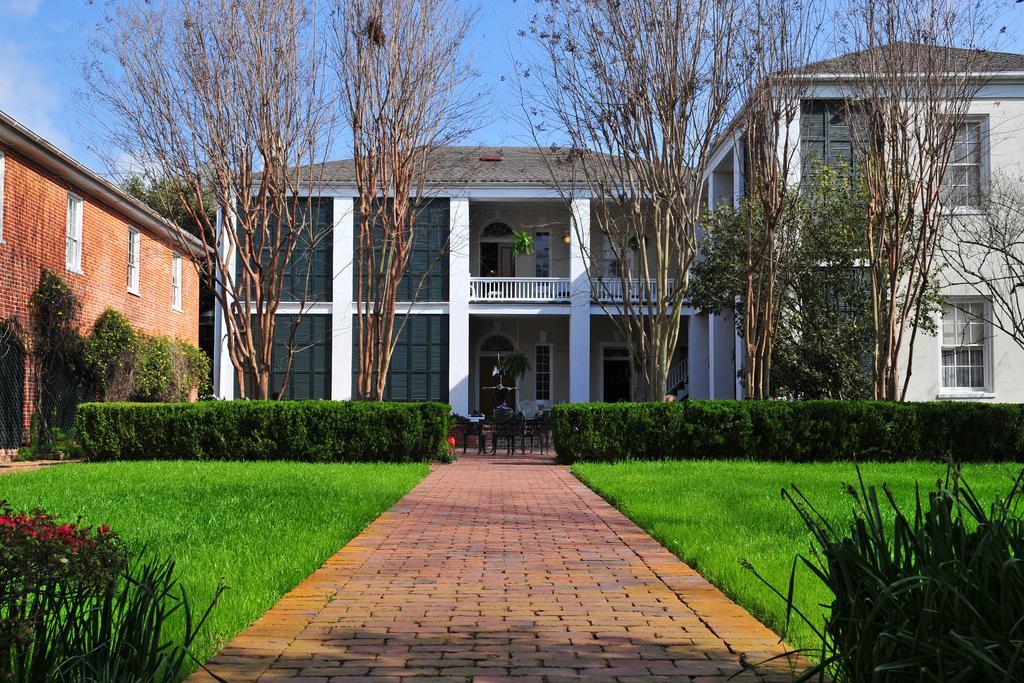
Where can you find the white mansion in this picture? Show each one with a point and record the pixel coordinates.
(483, 300)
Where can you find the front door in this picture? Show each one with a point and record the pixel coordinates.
(497, 260)
(617, 375)
(489, 397)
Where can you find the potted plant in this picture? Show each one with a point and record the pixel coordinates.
(514, 365)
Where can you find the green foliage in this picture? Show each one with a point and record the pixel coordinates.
(931, 594)
(111, 354)
(824, 333)
(825, 340)
(523, 243)
(74, 607)
(790, 430)
(712, 513)
(515, 365)
(164, 195)
(259, 527)
(56, 352)
(168, 370)
(54, 314)
(324, 431)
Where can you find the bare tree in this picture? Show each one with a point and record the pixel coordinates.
(641, 91)
(778, 38)
(228, 98)
(985, 253)
(403, 80)
(916, 69)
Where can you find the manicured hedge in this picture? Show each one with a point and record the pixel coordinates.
(790, 430)
(324, 431)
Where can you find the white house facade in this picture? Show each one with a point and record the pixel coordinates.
(969, 359)
(480, 300)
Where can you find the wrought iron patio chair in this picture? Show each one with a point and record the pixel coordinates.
(471, 428)
(538, 431)
(504, 427)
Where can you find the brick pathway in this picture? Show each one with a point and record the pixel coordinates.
(499, 568)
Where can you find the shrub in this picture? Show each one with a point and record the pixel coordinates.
(325, 431)
(110, 354)
(169, 370)
(790, 430)
(935, 594)
(74, 607)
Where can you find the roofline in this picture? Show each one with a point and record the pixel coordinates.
(46, 154)
(987, 76)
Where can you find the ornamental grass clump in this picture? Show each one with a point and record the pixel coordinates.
(75, 606)
(935, 594)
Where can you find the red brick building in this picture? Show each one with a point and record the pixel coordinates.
(111, 249)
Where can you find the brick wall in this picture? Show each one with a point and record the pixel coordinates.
(34, 220)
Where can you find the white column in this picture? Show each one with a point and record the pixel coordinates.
(790, 144)
(698, 350)
(458, 305)
(341, 298)
(579, 311)
(223, 370)
(737, 172)
(712, 374)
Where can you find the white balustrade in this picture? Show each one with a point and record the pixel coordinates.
(615, 289)
(525, 289)
(553, 289)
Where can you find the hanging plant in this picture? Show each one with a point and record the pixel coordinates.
(523, 243)
(514, 365)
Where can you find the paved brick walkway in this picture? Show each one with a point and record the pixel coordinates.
(493, 569)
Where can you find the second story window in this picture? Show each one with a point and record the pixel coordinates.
(73, 243)
(176, 282)
(963, 184)
(134, 251)
(542, 254)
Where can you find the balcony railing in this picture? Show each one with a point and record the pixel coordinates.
(520, 289)
(551, 289)
(614, 289)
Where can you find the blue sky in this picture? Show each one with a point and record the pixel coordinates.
(41, 41)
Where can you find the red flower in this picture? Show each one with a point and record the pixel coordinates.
(451, 440)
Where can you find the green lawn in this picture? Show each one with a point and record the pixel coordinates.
(712, 514)
(263, 527)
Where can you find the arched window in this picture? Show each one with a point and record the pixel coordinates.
(498, 343)
(497, 230)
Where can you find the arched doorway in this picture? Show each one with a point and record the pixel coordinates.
(492, 346)
(497, 258)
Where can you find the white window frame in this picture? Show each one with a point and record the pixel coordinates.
(548, 254)
(73, 233)
(134, 259)
(983, 167)
(3, 175)
(176, 282)
(551, 373)
(988, 390)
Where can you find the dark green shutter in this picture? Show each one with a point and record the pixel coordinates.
(310, 375)
(825, 136)
(309, 269)
(419, 365)
(427, 269)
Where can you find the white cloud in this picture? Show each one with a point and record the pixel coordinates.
(27, 94)
(21, 7)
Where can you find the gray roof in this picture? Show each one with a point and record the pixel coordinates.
(478, 165)
(958, 58)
